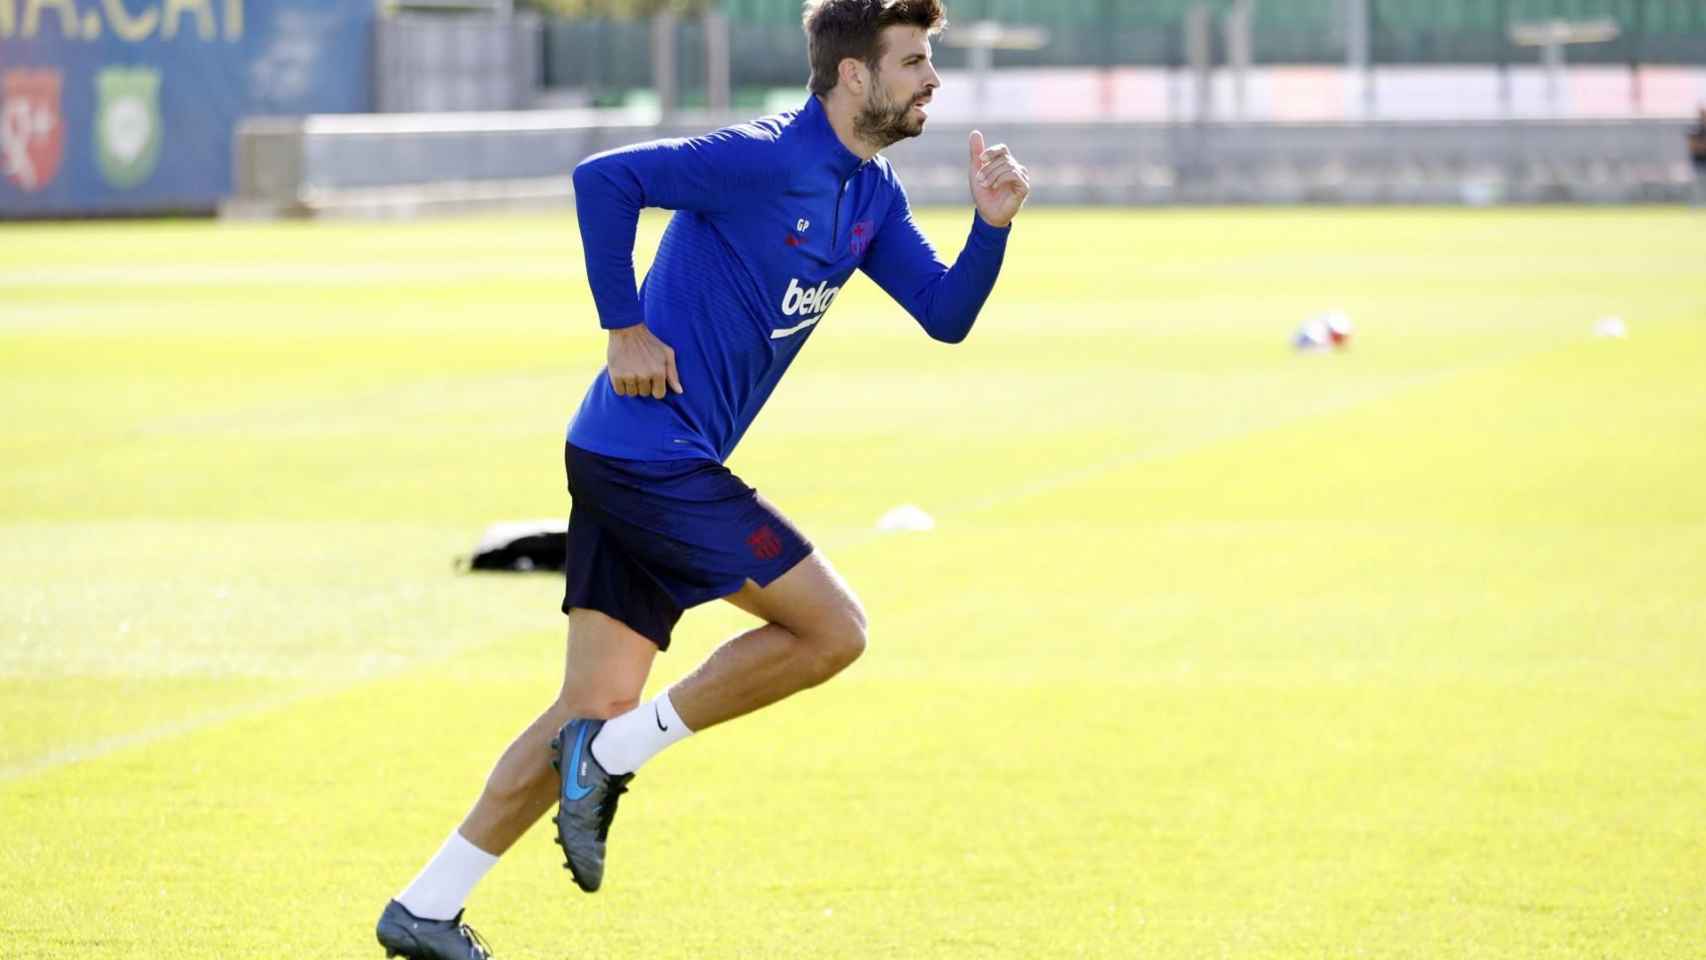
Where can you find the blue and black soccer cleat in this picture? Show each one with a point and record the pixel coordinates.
(403, 934)
(586, 801)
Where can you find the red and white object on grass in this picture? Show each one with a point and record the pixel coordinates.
(1324, 331)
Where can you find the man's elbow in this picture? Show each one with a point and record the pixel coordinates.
(586, 174)
(955, 333)
(606, 170)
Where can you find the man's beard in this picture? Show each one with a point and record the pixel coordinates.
(882, 121)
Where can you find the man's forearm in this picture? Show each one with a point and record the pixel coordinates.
(951, 304)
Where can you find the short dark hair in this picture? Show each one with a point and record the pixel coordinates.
(838, 29)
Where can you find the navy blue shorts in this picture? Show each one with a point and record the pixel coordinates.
(648, 539)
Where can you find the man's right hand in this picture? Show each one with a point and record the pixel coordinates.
(641, 364)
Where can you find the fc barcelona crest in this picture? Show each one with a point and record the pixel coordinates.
(127, 124)
(32, 129)
(863, 231)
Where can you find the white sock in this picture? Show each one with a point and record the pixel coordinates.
(442, 886)
(631, 739)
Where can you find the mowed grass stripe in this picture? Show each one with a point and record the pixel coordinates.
(364, 663)
(1206, 815)
(397, 660)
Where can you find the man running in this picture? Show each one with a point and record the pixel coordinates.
(772, 218)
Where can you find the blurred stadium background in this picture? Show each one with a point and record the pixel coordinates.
(262, 107)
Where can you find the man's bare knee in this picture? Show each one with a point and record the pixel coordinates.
(605, 669)
(838, 641)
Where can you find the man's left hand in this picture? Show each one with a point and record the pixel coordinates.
(999, 183)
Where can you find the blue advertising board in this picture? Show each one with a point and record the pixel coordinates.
(126, 106)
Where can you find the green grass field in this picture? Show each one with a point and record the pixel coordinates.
(1217, 651)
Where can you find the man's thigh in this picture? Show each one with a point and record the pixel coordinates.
(810, 598)
(606, 665)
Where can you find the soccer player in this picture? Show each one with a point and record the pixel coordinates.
(772, 218)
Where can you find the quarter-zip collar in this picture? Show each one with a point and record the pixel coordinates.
(840, 159)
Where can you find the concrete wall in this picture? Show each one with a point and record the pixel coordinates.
(396, 164)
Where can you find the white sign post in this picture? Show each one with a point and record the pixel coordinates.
(982, 38)
(1552, 36)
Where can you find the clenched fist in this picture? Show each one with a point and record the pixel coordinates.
(641, 364)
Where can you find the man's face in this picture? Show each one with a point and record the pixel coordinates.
(898, 89)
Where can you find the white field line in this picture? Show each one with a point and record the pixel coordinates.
(996, 501)
(99, 748)
(106, 745)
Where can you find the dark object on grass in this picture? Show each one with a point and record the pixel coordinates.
(529, 546)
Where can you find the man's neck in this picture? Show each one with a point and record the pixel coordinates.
(840, 109)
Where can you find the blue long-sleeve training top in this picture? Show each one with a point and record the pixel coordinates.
(772, 217)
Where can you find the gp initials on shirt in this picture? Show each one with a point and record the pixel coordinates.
(808, 302)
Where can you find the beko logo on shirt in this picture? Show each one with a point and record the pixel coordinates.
(806, 301)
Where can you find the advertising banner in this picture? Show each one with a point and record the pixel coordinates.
(128, 106)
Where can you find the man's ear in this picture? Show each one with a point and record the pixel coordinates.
(853, 74)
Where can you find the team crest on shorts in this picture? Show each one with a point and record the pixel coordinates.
(862, 233)
(32, 128)
(765, 544)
